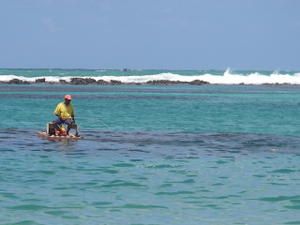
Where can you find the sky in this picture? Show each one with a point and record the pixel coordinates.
(150, 34)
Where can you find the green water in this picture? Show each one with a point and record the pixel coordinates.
(152, 155)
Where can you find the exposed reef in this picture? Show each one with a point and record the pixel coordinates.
(91, 81)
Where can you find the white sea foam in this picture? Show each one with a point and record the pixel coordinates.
(228, 77)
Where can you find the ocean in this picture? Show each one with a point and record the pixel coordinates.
(226, 152)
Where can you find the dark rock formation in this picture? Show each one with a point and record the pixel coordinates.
(198, 82)
(61, 81)
(86, 81)
(115, 82)
(164, 82)
(102, 82)
(17, 81)
(82, 81)
(276, 84)
(41, 80)
(169, 82)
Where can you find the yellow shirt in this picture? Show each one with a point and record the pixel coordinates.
(64, 111)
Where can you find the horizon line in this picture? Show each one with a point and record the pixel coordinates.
(125, 69)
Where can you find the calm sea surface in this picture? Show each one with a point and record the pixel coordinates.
(179, 154)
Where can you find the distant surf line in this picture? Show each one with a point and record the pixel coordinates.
(168, 78)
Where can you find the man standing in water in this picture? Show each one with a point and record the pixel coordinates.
(65, 113)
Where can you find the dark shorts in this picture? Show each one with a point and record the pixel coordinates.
(60, 121)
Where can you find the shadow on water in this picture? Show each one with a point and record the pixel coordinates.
(242, 143)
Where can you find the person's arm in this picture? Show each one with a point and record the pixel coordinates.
(73, 114)
(57, 111)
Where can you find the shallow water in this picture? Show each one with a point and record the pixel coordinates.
(152, 155)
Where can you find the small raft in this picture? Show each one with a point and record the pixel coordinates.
(43, 134)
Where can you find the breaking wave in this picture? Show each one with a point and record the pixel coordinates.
(228, 77)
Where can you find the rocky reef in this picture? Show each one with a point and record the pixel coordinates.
(91, 81)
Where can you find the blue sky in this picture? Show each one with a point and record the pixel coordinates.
(145, 34)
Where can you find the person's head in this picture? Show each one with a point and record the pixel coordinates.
(68, 99)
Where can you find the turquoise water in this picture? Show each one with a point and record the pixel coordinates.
(180, 154)
(211, 108)
(100, 72)
(119, 72)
